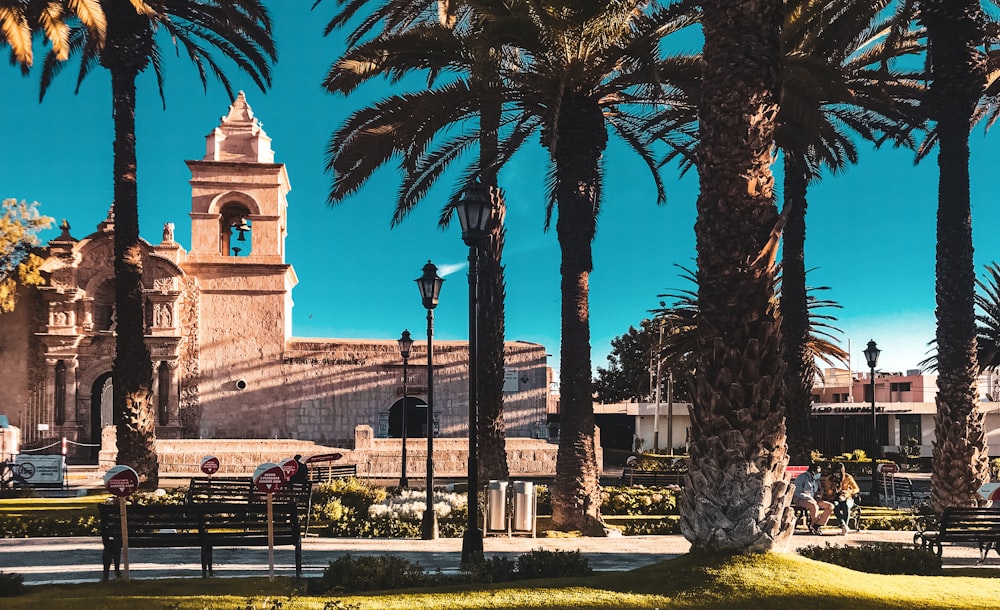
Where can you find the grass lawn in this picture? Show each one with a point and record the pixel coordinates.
(765, 582)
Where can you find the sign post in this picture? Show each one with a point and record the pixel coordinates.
(269, 478)
(122, 481)
(210, 465)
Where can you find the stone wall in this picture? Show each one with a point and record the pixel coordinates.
(375, 457)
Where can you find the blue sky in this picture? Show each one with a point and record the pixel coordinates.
(870, 231)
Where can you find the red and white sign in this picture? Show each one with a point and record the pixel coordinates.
(121, 481)
(324, 457)
(290, 467)
(269, 478)
(888, 468)
(210, 465)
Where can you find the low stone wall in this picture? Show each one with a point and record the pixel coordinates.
(375, 457)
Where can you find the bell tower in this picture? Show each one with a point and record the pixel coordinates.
(238, 228)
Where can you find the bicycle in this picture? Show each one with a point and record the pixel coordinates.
(13, 474)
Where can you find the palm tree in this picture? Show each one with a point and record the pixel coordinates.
(237, 29)
(737, 498)
(19, 18)
(397, 17)
(957, 84)
(988, 319)
(837, 82)
(578, 71)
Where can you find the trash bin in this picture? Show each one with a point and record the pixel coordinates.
(496, 506)
(524, 506)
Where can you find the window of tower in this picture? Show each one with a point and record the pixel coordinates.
(235, 232)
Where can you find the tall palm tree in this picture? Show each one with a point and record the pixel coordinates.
(396, 16)
(239, 30)
(737, 498)
(957, 82)
(20, 18)
(578, 71)
(837, 83)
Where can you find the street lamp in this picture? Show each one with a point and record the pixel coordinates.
(871, 356)
(430, 288)
(475, 214)
(405, 343)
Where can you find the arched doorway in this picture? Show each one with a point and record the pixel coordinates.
(102, 411)
(416, 418)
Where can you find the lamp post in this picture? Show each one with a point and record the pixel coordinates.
(430, 288)
(871, 356)
(405, 343)
(475, 214)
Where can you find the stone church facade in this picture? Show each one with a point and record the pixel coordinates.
(219, 330)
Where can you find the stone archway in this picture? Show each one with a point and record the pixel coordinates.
(102, 412)
(416, 418)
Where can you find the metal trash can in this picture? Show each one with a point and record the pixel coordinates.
(524, 506)
(496, 506)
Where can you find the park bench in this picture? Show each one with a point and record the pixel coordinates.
(899, 491)
(319, 474)
(201, 526)
(979, 526)
(241, 490)
(650, 478)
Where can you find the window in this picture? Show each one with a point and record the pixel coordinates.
(163, 400)
(899, 387)
(60, 406)
(235, 232)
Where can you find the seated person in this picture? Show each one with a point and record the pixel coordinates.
(807, 487)
(840, 489)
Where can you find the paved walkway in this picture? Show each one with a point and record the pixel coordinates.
(73, 560)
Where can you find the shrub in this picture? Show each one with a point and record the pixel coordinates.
(878, 558)
(11, 584)
(352, 493)
(160, 497)
(372, 572)
(649, 527)
(638, 501)
(28, 527)
(540, 563)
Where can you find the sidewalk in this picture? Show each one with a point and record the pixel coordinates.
(74, 560)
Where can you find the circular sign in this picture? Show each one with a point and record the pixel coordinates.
(121, 481)
(289, 467)
(269, 478)
(888, 468)
(210, 465)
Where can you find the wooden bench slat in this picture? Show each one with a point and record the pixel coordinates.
(632, 477)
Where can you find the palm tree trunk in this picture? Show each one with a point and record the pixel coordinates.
(960, 457)
(576, 492)
(737, 497)
(132, 371)
(795, 313)
(492, 288)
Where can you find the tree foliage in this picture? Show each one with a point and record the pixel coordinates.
(19, 227)
(630, 374)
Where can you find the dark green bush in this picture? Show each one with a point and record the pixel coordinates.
(878, 558)
(371, 573)
(11, 584)
(540, 563)
(648, 527)
(494, 569)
